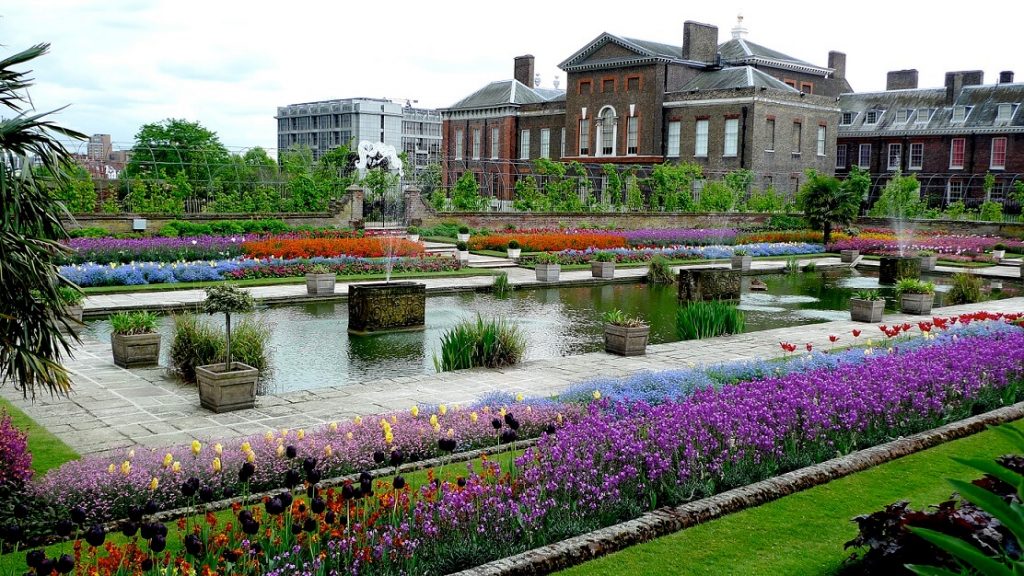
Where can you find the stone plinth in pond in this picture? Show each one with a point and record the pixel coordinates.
(386, 307)
(710, 284)
(892, 268)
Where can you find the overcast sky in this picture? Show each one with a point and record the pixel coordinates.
(122, 63)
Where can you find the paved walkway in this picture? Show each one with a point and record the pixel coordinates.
(113, 408)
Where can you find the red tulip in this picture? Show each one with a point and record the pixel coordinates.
(856, 333)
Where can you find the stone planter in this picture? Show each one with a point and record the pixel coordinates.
(928, 262)
(848, 256)
(414, 237)
(462, 237)
(916, 303)
(892, 268)
(222, 390)
(464, 255)
(320, 284)
(602, 269)
(135, 350)
(626, 340)
(866, 310)
(998, 255)
(514, 253)
(548, 272)
(741, 263)
(386, 307)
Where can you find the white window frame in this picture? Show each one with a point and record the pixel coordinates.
(606, 113)
(902, 115)
(992, 153)
(821, 141)
(957, 110)
(477, 142)
(923, 115)
(894, 151)
(545, 143)
(877, 114)
(632, 135)
(561, 145)
(495, 143)
(524, 144)
(459, 137)
(920, 157)
(730, 146)
(952, 153)
(852, 115)
(700, 139)
(584, 137)
(949, 190)
(864, 152)
(675, 132)
(1008, 108)
(841, 156)
(797, 138)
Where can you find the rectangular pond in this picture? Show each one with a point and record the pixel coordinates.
(310, 346)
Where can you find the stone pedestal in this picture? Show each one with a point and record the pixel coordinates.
(709, 284)
(320, 284)
(893, 268)
(415, 210)
(357, 194)
(386, 307)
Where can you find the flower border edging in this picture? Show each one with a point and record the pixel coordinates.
(664, 521)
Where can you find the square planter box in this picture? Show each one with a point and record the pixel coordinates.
(462, 237)
(848, 256)
(513, 253)
(626, 340)
(320, 284)
(548, 272)
(866, 310)
(135, 350)
(929, 262)
(602, 269)
(741, 262)
(917, 303)
(998, 255)
(414, 237)
(221, 390)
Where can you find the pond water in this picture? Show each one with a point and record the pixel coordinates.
(311, 348)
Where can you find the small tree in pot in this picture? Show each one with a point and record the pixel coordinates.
(463, 235)
(916, 296)
(463, 249)
(625, 335)
(134, 340)
(414, 233)
(603, 265)
(231, 385)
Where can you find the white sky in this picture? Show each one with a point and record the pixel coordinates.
(124, 63)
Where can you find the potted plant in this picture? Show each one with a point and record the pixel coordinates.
(740, 260)
(513, 249)
(998, 252)
(231, 385)
(134, 340)
(414, 233)
(463, 235)
(603, 265)
(463, 249)
(866, 306)
(916, 296)
(320, 280)
(547, 267)
(625, 335)
(848, 256)
(72, 299)
(928, 259)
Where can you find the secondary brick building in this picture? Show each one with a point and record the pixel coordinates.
(627, 101)
(949, 136)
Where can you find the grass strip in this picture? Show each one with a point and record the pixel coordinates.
(47, 450)
(802, 533)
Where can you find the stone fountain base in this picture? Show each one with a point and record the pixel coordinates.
(892, 268)
(386, 307)
(709, 284)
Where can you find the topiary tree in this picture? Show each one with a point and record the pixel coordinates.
(227, 299)
(825, 201)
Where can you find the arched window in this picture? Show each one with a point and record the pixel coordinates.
(606, 131)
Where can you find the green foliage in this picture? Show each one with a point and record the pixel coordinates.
(320, 269)
(461, 246)
(529, 198)
(613, 185)
(716, 196)
(672, 186)
(466, 194)
(786, 222)
(604, 256)
(154, 196)
(176, 146)
(196, 343)
(88, 232)
(901, 198)
(707, 319)
(463, 229)
(966, 289)
(559, 188)
(739, 181)
(990, 211)
(501, 286)
(429, 179)
(914, 286)
(70, 295)
(379, 182)
(792, 265)
(868, 295)
(513, 244)
(825, 202)
(767, 200)
(138, 322)
(77, 191)
(546, 258)
(617, 317)
(176, 228)
(955, 210)
(988, 184)
(491, 344)
(1018, 192)
(634, 195)
(227, 299)
(659, 271)
(858, 183)
(31, 312)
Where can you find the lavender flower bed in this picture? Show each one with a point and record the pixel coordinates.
(679, 236)
(125, 250)
(686, 252)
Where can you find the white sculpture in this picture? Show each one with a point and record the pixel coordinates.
(377, 155)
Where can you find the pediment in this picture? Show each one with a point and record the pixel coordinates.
(607, 47)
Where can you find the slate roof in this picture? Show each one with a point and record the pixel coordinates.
(981, 102)
(735, 77)
(506, 93)
(739, 51)
(644, 51)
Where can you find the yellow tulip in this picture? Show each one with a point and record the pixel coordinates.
(442, 409)
(358, 420)
(383, 423)
(218, 449)
(126, 467)
(388, 437)
(486, 410)
(333, 426)
(328, 451)
(559, 419)
(111, 469)
(268, 436)
(597, 394)
(154, 483)
(168, 458)
(348, 436)
(519, 397)
(246, 447)
(250, 457)
(394, 418)
(280, 450)
(415, 411)
(433, 419)
(474, 417)
(176, 467)
(451, 433)
(502, 412)
(300, 434)
(216, 464)
(196, 447)
(284, 432)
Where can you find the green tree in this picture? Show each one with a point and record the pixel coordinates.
(32, 311)
(78, 193)
(901, 198)
(613, 185)
(176, 145)
(528, 196)
(672, 185)
(466, 193)
(826, 201)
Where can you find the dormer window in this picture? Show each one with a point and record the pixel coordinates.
(960, 113)
(873, 116)
(1004, 113)
(848, 118)
(902, 116)
(924, 115)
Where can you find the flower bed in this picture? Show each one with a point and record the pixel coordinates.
(329, 247)
(947, 245)
(679, 236)
(548, 242)
(626, 255)
(807, 236)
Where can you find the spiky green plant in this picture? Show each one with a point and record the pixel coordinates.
(659, 271)
(966, 289)
(129, 323)
(492, 343)
(501, 286)
(707, 319)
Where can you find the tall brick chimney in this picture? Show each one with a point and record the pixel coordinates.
(955, 82)
(901, 80)
(524, 69)
(1006, 77)
(700, 42)
(837, 62)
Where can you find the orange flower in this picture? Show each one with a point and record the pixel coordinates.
(330, 247)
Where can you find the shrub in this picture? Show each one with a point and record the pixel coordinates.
(659, 271)
(490, 344)
(707, 319)
(501, 286)
(513, 244)
(546, 258)
(604, 256)
(786, 222)
(767, 200)
(461, 246)
(463, 229)
(999, 246)
(128, 323)
(966, 289)
(70, 296)
(412, 230)
(914, 286)
(89, 232)
(990, 211)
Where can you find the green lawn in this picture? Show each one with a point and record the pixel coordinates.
(803, 533)
(47, 450)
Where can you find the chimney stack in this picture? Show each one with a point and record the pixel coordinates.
(901, 80)
(837, 62)
(1006, 77)
(700, 42)
(955, 82)
(524, 69)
